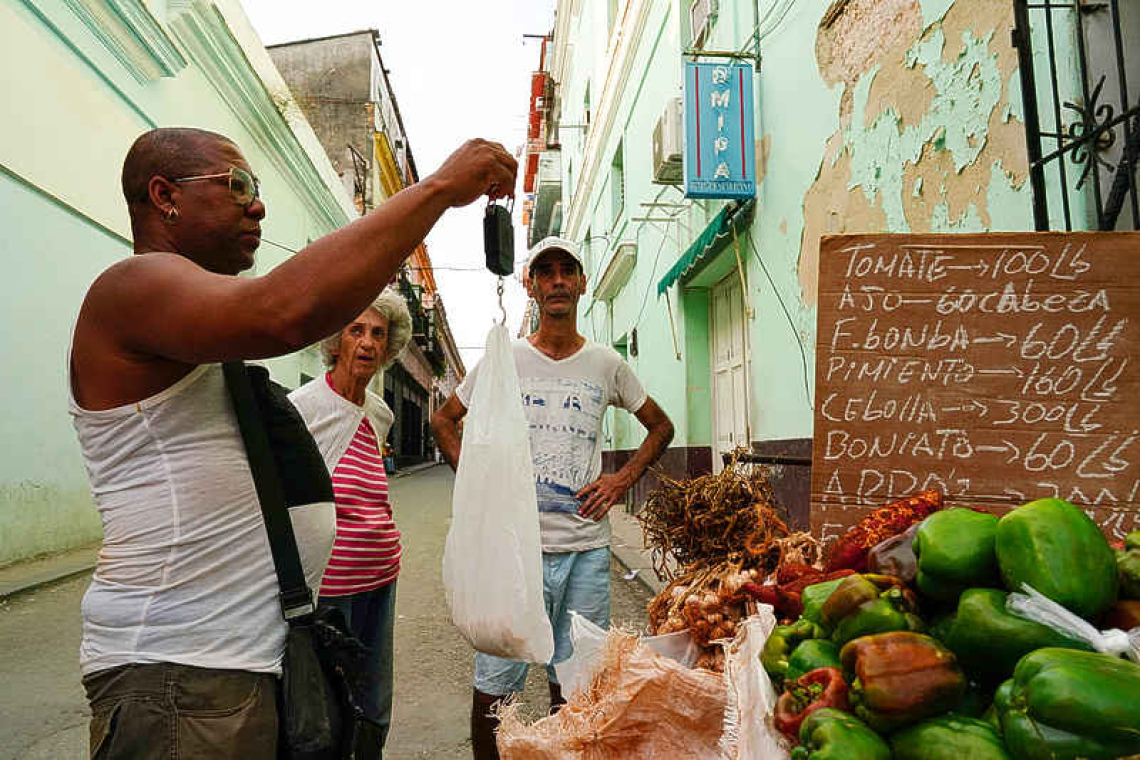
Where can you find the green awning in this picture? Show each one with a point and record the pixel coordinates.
(709, 243)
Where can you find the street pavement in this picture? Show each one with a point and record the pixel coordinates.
(43, 713)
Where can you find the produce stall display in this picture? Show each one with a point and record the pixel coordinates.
(998, 646)
(925, 632)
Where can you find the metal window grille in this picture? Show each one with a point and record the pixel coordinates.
(1079, 65)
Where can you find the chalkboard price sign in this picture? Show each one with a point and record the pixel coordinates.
(997, 368)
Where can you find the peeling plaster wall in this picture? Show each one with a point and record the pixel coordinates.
(933, 124)
(910, 120)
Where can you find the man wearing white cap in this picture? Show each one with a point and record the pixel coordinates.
(567, 383)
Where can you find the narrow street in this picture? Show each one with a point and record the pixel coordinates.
(43, 713)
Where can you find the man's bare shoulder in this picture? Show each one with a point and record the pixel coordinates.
(149, 268)
(141, 282)
(110, 366)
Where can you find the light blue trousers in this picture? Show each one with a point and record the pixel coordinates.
(578, 581)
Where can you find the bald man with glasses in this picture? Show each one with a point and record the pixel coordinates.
(182, 629)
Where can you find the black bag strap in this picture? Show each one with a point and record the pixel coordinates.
(296, 597)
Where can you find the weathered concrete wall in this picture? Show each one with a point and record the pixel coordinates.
(875, 115)
(330, 79)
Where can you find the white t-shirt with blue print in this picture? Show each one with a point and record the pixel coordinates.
(565, 401)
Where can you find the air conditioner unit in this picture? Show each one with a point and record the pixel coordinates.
(617, 271)
(668, 144)
(701, 15)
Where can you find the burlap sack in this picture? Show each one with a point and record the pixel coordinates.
(638, 705)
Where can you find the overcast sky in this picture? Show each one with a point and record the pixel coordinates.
(459, 69)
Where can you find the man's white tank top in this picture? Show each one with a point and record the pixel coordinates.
(185, 574)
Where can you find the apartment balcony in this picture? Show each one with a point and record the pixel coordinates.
(547, 194)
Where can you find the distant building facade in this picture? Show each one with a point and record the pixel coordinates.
(342, 86)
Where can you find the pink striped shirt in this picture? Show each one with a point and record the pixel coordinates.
(366, 554)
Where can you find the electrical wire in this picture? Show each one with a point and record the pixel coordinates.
(597, 269)
(791, 324)
(772, 26)
(649, 285)
(609, 238)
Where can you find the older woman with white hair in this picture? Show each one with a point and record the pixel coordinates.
(350, 423)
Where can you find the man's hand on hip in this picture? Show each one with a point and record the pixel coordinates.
(602, 494)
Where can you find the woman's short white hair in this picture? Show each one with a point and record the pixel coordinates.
(390, 305)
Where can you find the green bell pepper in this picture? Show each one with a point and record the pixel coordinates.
(829, 734)
(1132, 541)
(988, 640)
(1128, 566)
(942, 625)
(853, 591)
(1001, 697)
(991, 716)
(815, 595)
(974, 702)
(889, 612)
(1063, 704)
(900, 678)
(780, 644)
(949, 737)
(810, 655)
(1058, 550)
(955, 550)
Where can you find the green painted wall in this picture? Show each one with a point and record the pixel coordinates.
(74, 109)
(44, 498)
(900, 116)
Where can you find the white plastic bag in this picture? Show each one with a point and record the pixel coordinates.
(1035, 606)
(576, 670)
(749, 733)
(679, 646)
(588, 638)
(492, 562)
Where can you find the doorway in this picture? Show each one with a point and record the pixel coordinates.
(731, 369)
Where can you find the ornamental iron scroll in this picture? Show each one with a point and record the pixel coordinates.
(1076, 60)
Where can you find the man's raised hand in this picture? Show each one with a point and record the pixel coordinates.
(478, 167)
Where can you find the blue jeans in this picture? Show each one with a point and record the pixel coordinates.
(578, 581)
(371, 616)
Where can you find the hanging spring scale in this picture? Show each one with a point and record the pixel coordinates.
(499, 244)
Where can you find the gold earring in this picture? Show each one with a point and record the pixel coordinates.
(172, 215)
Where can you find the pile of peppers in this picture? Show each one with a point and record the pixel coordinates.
(940, 668)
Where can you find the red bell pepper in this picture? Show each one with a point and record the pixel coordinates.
(822, 687)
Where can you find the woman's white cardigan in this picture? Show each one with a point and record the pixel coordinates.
(333, 419)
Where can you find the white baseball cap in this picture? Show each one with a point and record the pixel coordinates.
(555, 244)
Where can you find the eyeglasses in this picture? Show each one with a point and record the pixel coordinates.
(244, 187)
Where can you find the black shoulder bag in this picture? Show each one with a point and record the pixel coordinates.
(318, 717)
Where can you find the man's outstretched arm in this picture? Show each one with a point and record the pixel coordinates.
(208, 317)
